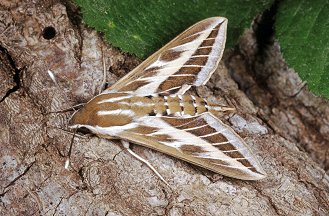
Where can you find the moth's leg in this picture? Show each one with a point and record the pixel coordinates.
(67, 162)
(126, 146)
(74, 134)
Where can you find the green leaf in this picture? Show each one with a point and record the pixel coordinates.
(302, 28)
(141, 27)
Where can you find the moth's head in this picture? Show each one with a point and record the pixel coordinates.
(87, 121)
(80, 117)
(100, 112)
(86, 116)
(82, 120)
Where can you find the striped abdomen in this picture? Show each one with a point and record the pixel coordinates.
(179, 105)
(118, 109)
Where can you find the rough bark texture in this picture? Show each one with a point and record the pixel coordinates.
(286, 126)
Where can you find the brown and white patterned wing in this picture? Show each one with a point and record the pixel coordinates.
(189, 59)
(202, 140)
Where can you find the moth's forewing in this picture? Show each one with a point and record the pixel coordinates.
(189, 59)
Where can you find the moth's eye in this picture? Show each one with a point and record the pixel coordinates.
(84, 130)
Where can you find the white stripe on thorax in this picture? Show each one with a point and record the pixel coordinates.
(116, 112)
(114, 99)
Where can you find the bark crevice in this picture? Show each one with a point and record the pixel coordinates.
(16, 76)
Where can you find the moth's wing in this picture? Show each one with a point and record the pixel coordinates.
(203, 140)
(189, 59)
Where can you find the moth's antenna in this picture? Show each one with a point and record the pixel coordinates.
(67, 162)
(53, 78)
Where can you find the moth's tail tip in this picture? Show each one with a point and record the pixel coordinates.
(255, 175)
(259, 175)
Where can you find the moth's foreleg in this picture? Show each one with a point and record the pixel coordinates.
(67, 162)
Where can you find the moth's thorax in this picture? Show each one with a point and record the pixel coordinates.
(119, 109)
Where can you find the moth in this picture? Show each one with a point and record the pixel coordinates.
(149, 106)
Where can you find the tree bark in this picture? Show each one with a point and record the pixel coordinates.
(286, 126)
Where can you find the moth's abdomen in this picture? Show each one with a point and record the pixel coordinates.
(120, 109)
(184, 105)
(179, 105)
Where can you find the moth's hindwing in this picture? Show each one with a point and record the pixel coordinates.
(202, 140)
